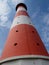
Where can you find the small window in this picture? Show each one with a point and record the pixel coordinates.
(16, 30)
(33, 31)
(37, 44)
(17, 22)
(29, 22)
(15, 44)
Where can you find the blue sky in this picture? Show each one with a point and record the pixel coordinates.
(39, 14)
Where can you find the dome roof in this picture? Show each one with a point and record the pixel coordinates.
(21, 4)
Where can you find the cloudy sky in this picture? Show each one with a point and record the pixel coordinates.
(39, 14)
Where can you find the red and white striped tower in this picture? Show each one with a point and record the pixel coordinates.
(23, 40)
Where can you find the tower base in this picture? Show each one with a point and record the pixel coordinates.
(27, 62)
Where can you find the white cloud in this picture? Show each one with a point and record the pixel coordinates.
(6, 24)
(4, 8)
(35, 13)
(4, 12)
(4, 18)
(45, 30)
(46, 19)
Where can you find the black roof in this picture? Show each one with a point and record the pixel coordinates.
(21, 4)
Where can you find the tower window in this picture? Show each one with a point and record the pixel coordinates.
(29, 22)
(17, 22)
(16, 30)
(37, 44)
(33, 31)
(15, 44)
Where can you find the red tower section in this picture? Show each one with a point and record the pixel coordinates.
(23, 39)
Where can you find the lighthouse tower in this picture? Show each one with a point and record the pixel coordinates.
(23, 45)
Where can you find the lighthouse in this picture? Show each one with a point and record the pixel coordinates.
(24, 45)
